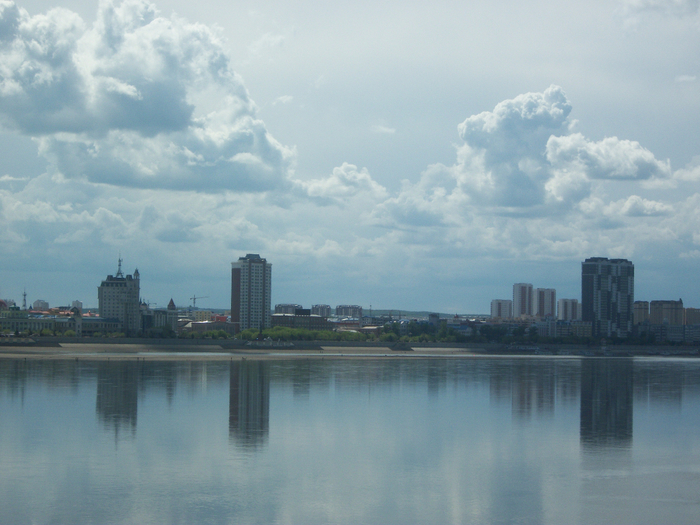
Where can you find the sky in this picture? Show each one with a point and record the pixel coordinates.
(387, 154)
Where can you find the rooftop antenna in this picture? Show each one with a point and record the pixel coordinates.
(119, 268)
(24, 299)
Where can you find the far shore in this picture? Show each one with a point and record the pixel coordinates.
(231, 349)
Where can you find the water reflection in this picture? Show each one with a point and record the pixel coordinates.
(346, 441)
(117, 395)
(533, 387)
(607, 387)
(249, 403)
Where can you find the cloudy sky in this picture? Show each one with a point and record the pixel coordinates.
(376, 153)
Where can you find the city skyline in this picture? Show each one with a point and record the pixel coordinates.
(237, 267)
(431, 173)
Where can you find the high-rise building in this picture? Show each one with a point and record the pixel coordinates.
(692, 316)
(349, 310)
(118, 298)
(607, 295)
(568, 310)
(545, 302)
(640, 312)
(667, 312)
(322, 310)
(522, 299)
(502, 308)
(251, 288)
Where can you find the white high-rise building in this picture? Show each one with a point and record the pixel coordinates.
(545, 303)
(251, 288)
(568, 310)
(522, 299)
(118, 298)
(502, 308)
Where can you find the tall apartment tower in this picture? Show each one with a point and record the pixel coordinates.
(607, 295)
(118, 298)
(251, 278)
(522, 299)
(568, 310)
(502, 308)
(545, 302)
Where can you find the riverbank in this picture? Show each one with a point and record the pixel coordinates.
(226, 349)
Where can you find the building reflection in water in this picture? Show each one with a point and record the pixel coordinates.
(607, 389)
(529, 386)
(117, 395)
(249, 403)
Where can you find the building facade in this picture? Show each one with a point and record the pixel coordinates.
(640, 312)
(286, 308)
(349, 310)
(118, 298)
(502, 308)
(251, 287)
(40, 304)
(607, 295)
(302, 318)
(322, 310)
(545, 303)
(568, 310)
(522, 299)
(692, 316)
(667, 312)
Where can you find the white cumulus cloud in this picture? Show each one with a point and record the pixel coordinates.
(116, 103)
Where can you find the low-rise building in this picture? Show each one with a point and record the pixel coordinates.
(302, 318)
(286, 308)
(40, 304)
(202, 315)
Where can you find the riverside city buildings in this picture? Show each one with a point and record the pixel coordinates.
(251, 292)
(568, 310)
(118, 298)
(322, 310)
(502, 308)
(545, 303)
(348, 310)
(522, 299)
(607, 295)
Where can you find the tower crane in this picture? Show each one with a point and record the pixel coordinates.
(194, 299)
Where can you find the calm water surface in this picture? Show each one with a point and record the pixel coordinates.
(528, 440)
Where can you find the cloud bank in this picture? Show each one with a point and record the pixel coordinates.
(153, 145)
(124, 102)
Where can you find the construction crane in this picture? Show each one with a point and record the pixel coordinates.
(194, 299)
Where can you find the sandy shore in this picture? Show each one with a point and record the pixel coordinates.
(213, 352)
